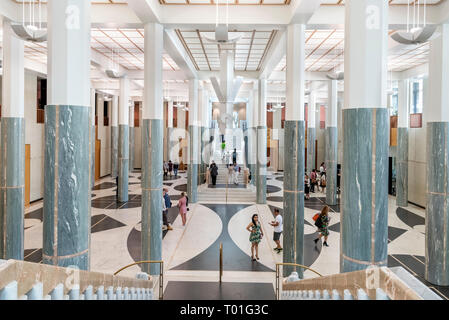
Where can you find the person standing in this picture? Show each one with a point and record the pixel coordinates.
(165, 168)
(313, 180)
(323, 182)
(322, 168)
(223, 150)
(234, 156)
(230, 173)
(236, 173)
(256, 235)
(168, 204)
(175, 168)
(307, 187)
(213, 173)
(322, 223)
(170, 167)
(182, 205)
(278, 228)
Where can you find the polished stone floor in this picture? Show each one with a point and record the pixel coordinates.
(191, 253)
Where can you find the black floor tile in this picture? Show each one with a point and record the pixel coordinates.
(179, 290)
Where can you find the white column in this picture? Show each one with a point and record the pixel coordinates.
(332, 108)
(170, 114)
(114, 111)
(123, 110)
(403, 103)
(261, 168)
(311, 110)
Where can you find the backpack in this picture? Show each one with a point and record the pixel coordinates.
(318, 222)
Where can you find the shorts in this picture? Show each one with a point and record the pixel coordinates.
(277, 236)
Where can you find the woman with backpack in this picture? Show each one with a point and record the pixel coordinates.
(322, 223)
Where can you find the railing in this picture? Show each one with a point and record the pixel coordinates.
(161, 273)
(221, 261)
(21, 280)
(289, 264)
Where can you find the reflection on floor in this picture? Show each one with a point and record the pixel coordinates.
(191, 252)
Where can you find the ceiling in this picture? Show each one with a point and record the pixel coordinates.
(249, 50)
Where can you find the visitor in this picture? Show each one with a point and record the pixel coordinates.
(228, 156)
(175, 168)
(234, 155)
(307, 187)
(164, 208)
(236, 173)
(278, 228)
(313, 180)
(165, 166)
(170, 167)
(256, 235)
(322, 168)
(322, 223)
(213, 173)
(168, 204)
(182, 205)
(223, 150)
(323, 182)
(230, 173)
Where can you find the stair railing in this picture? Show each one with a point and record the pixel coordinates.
(278, 265)
(161, 273)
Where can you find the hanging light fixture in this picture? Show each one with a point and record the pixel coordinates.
(113, 66)
(33, 31)
(416, 33)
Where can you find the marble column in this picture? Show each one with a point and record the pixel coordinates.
(437, 116)
(171, 141)
(331, 136)
(192, 167)
(152, 148)
(261, 166)
(252, 131)
(123, 140)
(131, 137)
(12, 144)
(66, 212)
(114, 137)
(311, 132)
(200, 135)
(364, 210)
(402, 146)
(294, 141)
(92, 136)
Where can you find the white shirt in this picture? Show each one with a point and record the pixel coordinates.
(278, 219)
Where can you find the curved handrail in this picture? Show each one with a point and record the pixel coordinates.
(290, 264)
(161, 273)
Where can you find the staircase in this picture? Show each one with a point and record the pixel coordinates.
(223, 174)
(20, 280)
(371, 284)
(213, 195)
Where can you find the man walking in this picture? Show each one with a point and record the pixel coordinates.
(166, 205)
(213, 173)
(278, 227)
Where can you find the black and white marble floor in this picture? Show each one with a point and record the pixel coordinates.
(191, 253)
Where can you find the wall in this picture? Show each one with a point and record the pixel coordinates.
(104, 134)
(34, 136)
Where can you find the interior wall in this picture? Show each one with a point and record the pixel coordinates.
(104, 134)
(34, 136)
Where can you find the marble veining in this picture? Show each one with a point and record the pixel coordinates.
(261, 166)
(123, 162)
(331, 159)
(311, 137)
(114, 151)
(402, 168)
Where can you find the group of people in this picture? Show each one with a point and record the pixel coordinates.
(315, 180)
(170, 167)
(322, 220)
(183, 204)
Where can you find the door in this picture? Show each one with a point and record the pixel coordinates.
(27, 174)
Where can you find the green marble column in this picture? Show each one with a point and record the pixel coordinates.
(152, 178)
(261, 167)
(131, 149)
(123, 162)
(66, 227)
(114, 151)
(12, 188)
(294, 195)
(192, 173)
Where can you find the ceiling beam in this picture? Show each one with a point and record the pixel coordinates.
(146, 10)
(175, 49)
(275, 53)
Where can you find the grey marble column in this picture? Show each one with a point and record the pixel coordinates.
(66, 234)
(252, 137)
(294, 195)
(114, 151)
(311, 136)
(131, 149)
(192, 167)
(261, 166)
(12, 188)
(123, 162)
(437, 211)
(402, 168)
(202, 171)
(152, 177)
(364, 212)
(331, 134)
